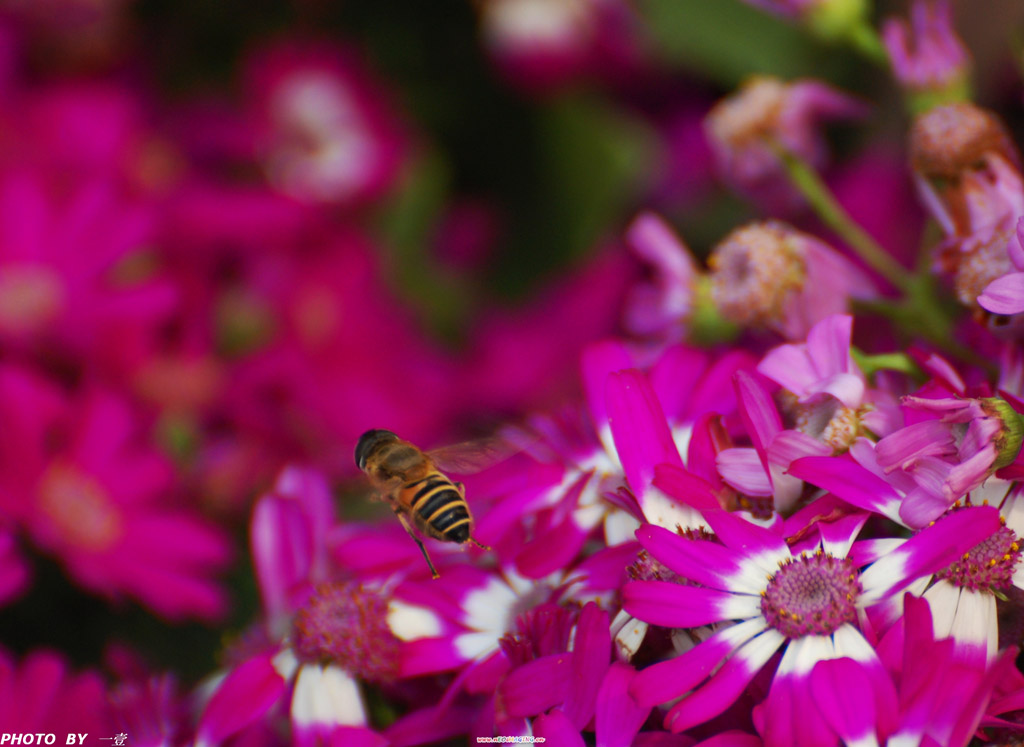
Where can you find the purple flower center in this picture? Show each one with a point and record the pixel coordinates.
(811, 595)
(988, 566)
(648, 568)
(347, 624)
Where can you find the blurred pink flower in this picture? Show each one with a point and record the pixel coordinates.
(528, 357)
(41, 694)
(324, 129)
(345, 357)
(926, 54)
(544, 44)
(769, 274)
(745, 127)
(65, 279)
(76, 477)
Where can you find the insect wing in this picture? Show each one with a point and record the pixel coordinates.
(473, 456)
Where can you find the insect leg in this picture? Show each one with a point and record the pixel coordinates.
(482, 547)
(405, 523)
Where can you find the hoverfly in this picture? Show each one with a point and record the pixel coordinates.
(410, 480)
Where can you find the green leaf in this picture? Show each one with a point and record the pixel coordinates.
(728, 40)
(591, 159)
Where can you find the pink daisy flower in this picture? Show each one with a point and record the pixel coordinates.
(59, 262)
(317, 638)
(326, 132)
(76, 478)
(40, 693)
(811, 605)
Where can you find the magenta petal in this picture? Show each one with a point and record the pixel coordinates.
(789, 445)
(725, 685)
(845, 698)
(926, 438)
(428, 656)
(642, 436)
(1004, 295)
(678, 483)
(433, 724)
(551, 550)
(619, 717)
(536, 686)
(674, 377)
(672, 605)
(742, 536)
(789, 367)
(828, 345)
(282, 550)
(591, 653)
(732, 739)
(743, 469)
(849, 481)
(706, 440)
(929, 551)
(670, 679)
(557, 728)
(245, 694)
(598, 361)
(758, 412)
(352, 736)
(708, 563)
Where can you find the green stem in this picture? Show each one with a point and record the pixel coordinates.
(817, 193)
(865, 39)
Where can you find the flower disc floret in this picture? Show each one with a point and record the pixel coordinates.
(811, 595)
(346, 624)
(754, 271)
(988, 566)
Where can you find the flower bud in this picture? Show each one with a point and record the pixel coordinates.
(1008, 441)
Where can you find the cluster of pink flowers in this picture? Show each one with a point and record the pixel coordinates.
(764, 493)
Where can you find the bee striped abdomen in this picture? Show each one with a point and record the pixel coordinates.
(440, 506)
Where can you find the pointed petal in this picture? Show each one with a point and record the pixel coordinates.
(590, 656)
(536, 686)
(557, 728)
(674, 377)
(743, 469)
(828, 345)
(244, 696)
(673, 605)
(844, 698)
(619, 717)
(670, 679)
(929, 551)
(679, 483)
(642, 437)
(598, 361)
(706, 562)
(726, 684)
(764, 547)
(849, 481)
(758, 413)
(1004, 295)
